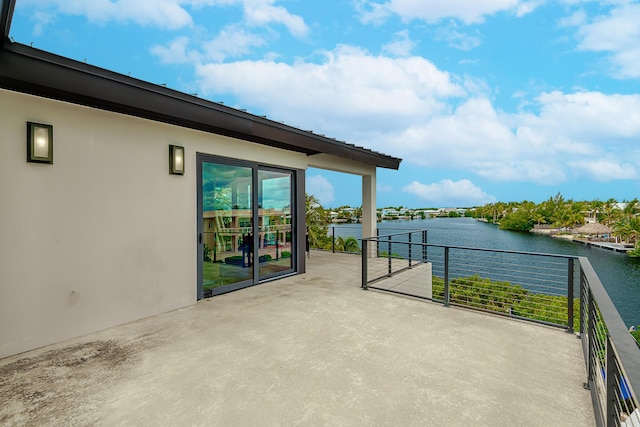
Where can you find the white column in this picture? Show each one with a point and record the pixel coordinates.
(369, 218)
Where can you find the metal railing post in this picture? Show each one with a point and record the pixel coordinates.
(591, 336)
(364, 264)
(410, 249)
(377, 242)
(333, 240)
(446, 277)
(610, 393)
(424, 245)
(582, 303)
(570, 296)
(389, 254)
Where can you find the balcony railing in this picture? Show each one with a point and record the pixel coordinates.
(556, 290)
(335, 234)
(611, 354)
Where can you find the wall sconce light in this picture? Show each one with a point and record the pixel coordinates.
(39, 143)
(176, 160)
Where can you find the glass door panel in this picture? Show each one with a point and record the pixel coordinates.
(227, 228)
(275, 233)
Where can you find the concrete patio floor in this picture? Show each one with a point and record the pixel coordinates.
(305, 350)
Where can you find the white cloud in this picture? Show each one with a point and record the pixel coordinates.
(475, 137)
(233, 41)
(321, 188)
(350, 91)
(176, 52)
(457, 39)
(169, 14)
(567, 139)
(605, 170)
(262, 12)
(617, 34)
(404, 105)
(409, 108)
(402, 45)
(42, 19)
(526, 7)
(449, 193)
(466, 11)
(591, 115)
(159, 13)
(577, 18)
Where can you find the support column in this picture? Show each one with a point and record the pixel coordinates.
(369, 217)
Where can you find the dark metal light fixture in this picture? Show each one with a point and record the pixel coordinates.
(39, 143)
(176, 160)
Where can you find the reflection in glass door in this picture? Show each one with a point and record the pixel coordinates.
(275, 234)
(227, 228)
(246, 233)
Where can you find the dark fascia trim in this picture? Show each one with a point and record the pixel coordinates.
(6, 13)
(29, 70)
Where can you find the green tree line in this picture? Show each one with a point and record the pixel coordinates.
(559, 212)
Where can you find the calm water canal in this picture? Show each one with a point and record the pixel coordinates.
(619, 273)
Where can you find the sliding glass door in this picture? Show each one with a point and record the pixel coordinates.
(245, 235)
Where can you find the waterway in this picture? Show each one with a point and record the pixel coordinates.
(619, 273)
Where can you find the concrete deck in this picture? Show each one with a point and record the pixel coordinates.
(306, 350)
(414, 281)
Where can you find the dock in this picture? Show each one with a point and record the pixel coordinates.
(617, 247)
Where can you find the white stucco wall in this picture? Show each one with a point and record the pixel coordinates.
(105, 235)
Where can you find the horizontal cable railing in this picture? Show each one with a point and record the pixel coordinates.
(552, 289)
(532, 286)
(344, 238)
(612, 355)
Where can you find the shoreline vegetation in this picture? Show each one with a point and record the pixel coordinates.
(609, 224)
(561, 218)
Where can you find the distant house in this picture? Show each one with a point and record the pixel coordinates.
(122, 199)
(390, 214)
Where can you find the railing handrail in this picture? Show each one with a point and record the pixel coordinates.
(625, 344)
(404, 230)
(410, 231)
(333, 227)
(436, 245)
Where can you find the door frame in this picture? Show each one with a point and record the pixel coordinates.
(297, 195)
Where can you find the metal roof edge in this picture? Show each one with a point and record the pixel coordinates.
(30, 70)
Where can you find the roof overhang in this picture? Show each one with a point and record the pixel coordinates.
(36, 72)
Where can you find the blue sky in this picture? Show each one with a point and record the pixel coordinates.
(484, 100)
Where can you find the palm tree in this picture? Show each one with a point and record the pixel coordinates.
(351, 245)
(623, 230)
(632, 208)
(539, 218)
(627, 229)
(498, 211)
(316, 218)
(338, 245)
(635, 228)
(610, 213)
(315, 213)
